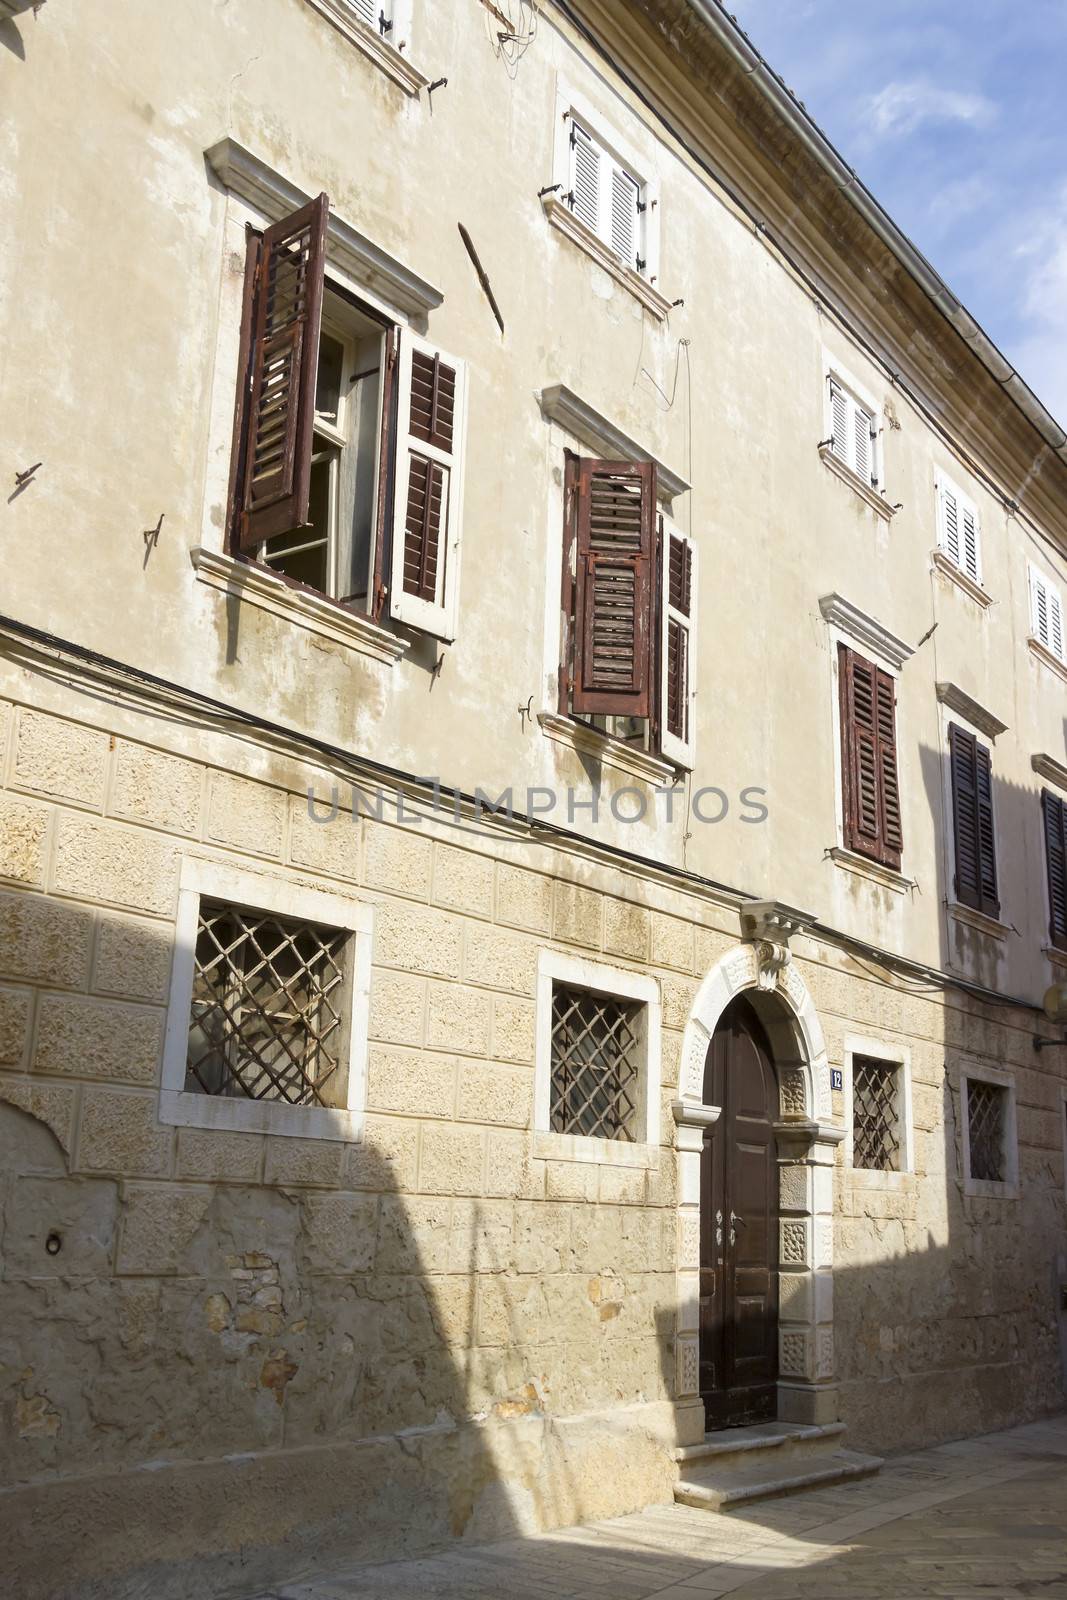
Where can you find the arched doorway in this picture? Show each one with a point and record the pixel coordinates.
(739, 1226)
(756, 989)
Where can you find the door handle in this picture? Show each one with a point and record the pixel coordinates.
(718, 1230)
(735, 1223)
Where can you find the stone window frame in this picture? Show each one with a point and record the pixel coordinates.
(897, 1056)
(578, 972)
(183, 1108)
(973, 1072)
(392, 59)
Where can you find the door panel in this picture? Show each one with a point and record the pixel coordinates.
(739, 1227)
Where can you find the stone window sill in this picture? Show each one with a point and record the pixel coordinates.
(963, 580)
(549, 1146)
(1046, 657)
(177, 1108)
(849, 861)
(315, 613)
(867, 1178)
(604, 748)
(874, 499)
(367, 39)
(1057, 957)
(562, 217)
(982, 1188)
(979, 921)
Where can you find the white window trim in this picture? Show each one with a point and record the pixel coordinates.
(190, 1110)
(972, 1072)
(896, 1056)
(873, 494)
(555, 967)
(847, 624)
(1037, 644)
(393, 59)
(645, 286)
(974, 584)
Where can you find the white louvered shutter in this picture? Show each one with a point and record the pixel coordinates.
(971, 560)
(950, 524)
(678, 644)
(624, 216)
(369, 10)
(839, 410)
(585, 177)
(861, 427)
(427, 497)
(1046, 615)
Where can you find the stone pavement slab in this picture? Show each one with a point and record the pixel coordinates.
(979, 1519)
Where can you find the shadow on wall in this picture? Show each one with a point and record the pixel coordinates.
(957, 1324)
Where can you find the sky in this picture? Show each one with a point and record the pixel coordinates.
(954, 114)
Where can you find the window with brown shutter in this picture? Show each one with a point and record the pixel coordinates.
(1054, 812)
(431, 405)
(345, 467)
(610, 587)
(972, 822)
(871, 793)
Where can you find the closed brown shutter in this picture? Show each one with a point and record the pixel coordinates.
(1055, 818)
(678, 643)
(972, 822)
(279, 406)
(433, 402)
(614, 599)
(869, 759)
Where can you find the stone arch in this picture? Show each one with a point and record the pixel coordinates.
(787, 1011)
(806, 1143)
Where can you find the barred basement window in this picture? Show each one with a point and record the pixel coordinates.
(987, 1123)
(596, 1066)
(268, 1008)
(876, 1114)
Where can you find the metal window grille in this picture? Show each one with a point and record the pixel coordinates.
(875, 1114)
(595, 1064)
(987, 1113)
(267, 1011)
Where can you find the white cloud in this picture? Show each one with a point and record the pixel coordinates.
(902, 107)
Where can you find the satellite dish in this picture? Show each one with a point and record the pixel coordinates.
(1056, 1003)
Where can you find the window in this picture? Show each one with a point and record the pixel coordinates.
(1046, 615)
(381, 29)
(596, 1076)
(606, 197)
(629, 608)
(853, 437)
(597, 1064)
(987, 1109)
(348, 437)
(877, 1131)
(870, 787)
(973, 833)
(267, 1018)
(1054, 814)
(958, 530)
(990, 1154)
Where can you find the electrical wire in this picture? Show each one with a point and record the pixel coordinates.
(363, 767)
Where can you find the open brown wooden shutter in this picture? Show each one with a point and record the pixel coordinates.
(614, 595)
(283, 363)
(1055, 818)
(972, 822)
(871, 790)
(431, 409)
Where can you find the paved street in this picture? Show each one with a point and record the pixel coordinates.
(984, 1519)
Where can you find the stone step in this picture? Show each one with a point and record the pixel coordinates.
(722, 1487)
(785, 1439)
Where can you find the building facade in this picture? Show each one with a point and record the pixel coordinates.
(534, 818)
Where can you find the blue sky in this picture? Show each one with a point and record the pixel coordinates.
(953, 112)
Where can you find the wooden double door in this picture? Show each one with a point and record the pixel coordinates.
(739, 1227)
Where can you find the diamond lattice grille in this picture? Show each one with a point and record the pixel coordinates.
(875, 1114)
(595, 1064)
(986, 1112)
(266, 1018)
